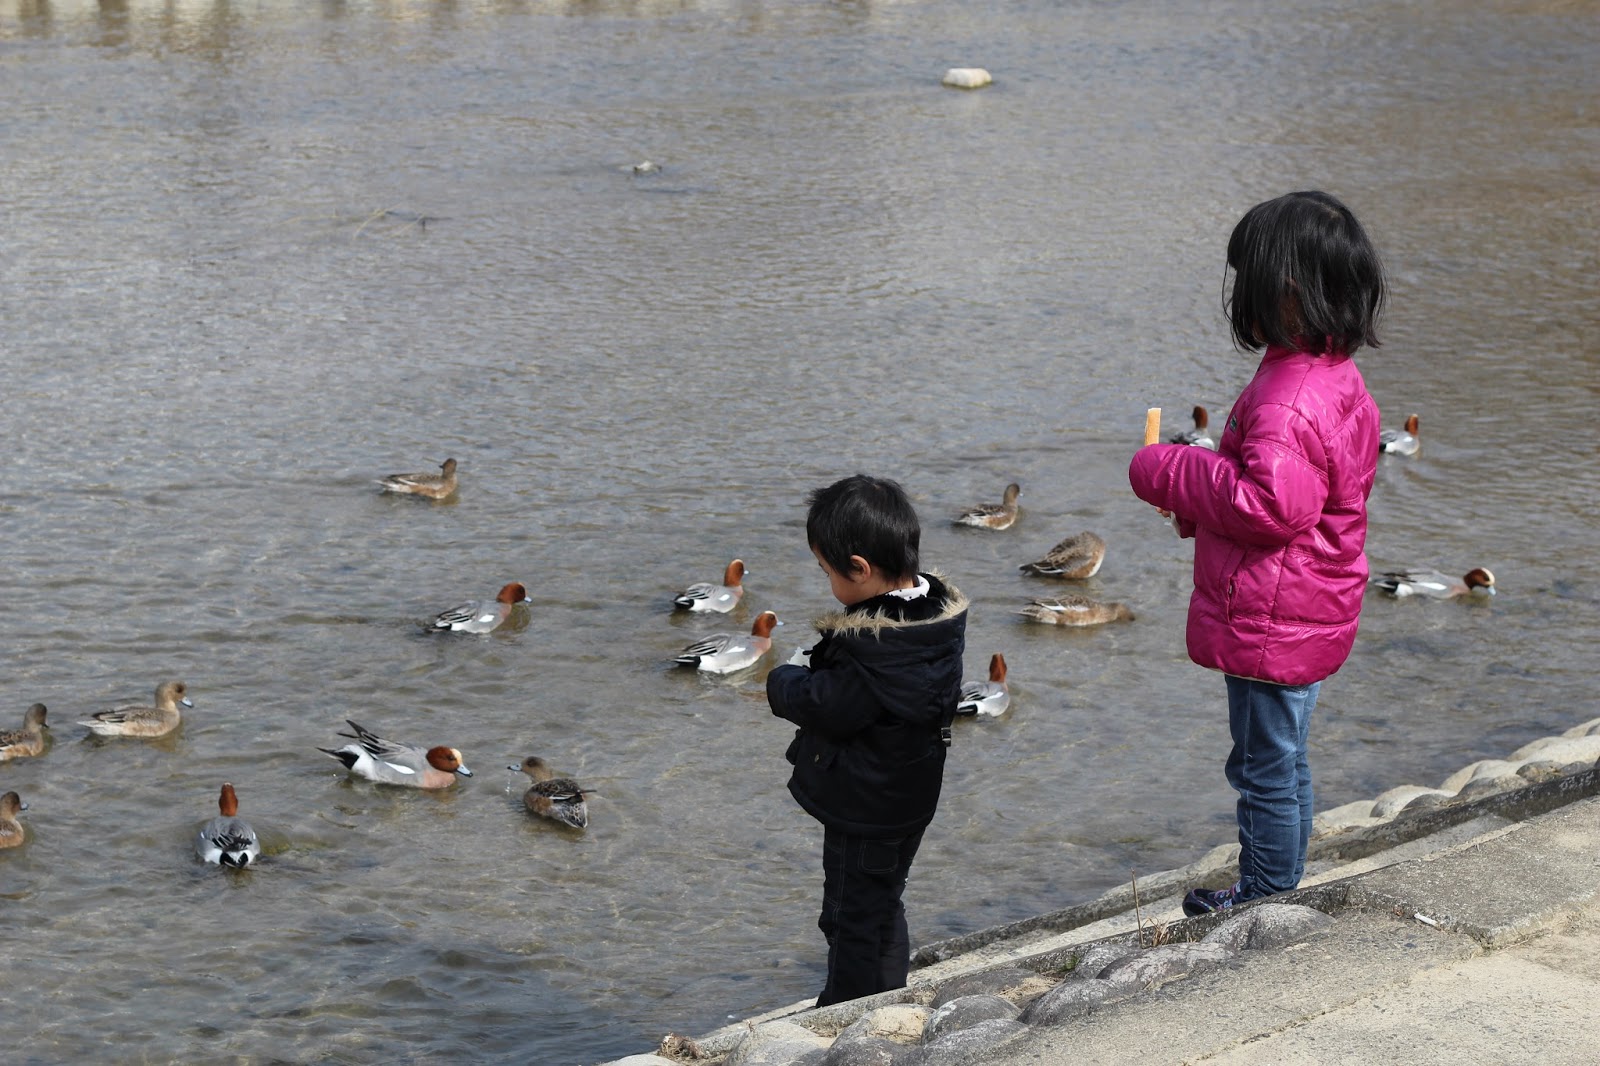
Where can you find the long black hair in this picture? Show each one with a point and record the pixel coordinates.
(1304, 276)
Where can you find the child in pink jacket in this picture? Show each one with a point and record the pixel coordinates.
(1279, 514)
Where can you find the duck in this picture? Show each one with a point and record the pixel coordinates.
(723, 653)
(1078, 557)
(479, 617)
(1407, 441)
(227, 840)
(704, 596)
(390, 763)
(10, 829)
(1076, 611)
(433, 486)
(1002, 515)
(1476, 582)
(136, 721)
(558, 798)
(29, 740)
(989, 697)
(1199, 436)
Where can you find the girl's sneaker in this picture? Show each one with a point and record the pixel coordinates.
(1205, 900)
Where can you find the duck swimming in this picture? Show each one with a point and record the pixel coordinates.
(558, 798)
(136, 721)
(432, 486)
(27, 741)
(1435, 585)
(1078, 557)
(10, 829)
(1406, 441)
(479, 617)
(1000, 515)
(723, 653)
(1076, 611)
(989, 697)
(1199, 436)
(389, 763)
(704, 596)
(227, 840)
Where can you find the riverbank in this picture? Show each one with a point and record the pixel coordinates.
(1467, 923)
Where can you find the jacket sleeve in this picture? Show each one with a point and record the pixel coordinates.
(831, 702)
(1271, 494)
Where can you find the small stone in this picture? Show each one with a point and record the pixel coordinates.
(985, 982)
(1428, 801)
(967, 1047)
(1350, 814)
(1163, 963)
(1270, 925)
(865, 1051)
(967, 77)
(777, 1043)
(1073, 999)
(1490, 768)
(1577, 752)
(966, 1012)
(1490, 786)
(1394, 801)
(1100, 955)
(901, 1022)
(643, 1060)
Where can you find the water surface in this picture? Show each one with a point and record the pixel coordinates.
(257, 255)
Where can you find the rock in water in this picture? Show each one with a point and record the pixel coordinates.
(967, 77)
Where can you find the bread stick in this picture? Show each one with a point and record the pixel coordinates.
(1152, 425)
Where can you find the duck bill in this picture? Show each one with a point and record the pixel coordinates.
(463, 771)
(187, 702)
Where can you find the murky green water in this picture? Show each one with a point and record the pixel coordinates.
(256, 255)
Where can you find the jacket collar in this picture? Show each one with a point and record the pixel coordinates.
(875, 623)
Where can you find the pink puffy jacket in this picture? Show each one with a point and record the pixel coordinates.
(1279, 517)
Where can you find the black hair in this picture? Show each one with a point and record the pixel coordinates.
(867, 516)
(1304, 275)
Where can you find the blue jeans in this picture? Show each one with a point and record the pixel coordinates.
(869, 946)
(1268, 769)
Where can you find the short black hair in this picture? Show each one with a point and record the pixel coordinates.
(867, 516)
(1304, 275)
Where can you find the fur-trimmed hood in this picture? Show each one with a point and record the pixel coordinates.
(848, 624)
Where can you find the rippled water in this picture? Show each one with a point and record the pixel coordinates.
(256, 255)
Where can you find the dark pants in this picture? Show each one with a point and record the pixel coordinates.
(869, 948)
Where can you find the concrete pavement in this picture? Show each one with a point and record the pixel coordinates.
(1508, 972)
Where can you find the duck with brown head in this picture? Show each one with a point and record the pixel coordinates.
(478, 616)
(227, 839)
(1407, 441)
(389, 763)
(705, 596)
(723, 653)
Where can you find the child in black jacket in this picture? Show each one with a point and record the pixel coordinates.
(874, 710)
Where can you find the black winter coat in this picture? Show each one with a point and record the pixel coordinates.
(885, 678)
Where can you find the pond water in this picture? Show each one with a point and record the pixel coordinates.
(259, 254)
